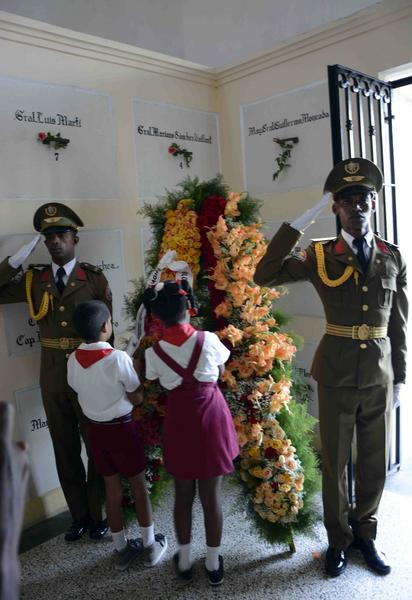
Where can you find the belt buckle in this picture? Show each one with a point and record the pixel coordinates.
(363, 332)
(64, 343)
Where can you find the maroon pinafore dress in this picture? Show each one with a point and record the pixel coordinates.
(199, 438)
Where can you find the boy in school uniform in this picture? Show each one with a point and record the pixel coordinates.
(106, 383)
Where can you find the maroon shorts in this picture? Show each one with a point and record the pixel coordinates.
(116, 447)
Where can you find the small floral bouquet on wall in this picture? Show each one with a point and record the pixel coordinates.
(175, 150)
(53, 140)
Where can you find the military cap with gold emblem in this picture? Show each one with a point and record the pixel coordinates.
(355, 173)
(56, 217)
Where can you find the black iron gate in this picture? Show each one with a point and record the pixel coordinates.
(361, 126)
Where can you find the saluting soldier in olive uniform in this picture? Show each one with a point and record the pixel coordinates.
(360, 362)
(52, 293)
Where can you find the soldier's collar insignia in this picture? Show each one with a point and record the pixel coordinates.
(382, 247)
(81, 274)
(339, 249)
(352, 168)
(50, 210)
(45, 276)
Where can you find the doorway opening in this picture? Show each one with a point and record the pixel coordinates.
(401, 80)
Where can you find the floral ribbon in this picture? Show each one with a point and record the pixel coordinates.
(182, 271)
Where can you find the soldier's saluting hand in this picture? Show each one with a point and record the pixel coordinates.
(24, 252)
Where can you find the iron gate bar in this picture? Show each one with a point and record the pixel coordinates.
(335, 121)
(361, 131)
(392, 172)
(349, 123)
(382, 121)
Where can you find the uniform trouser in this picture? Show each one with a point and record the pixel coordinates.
(340, 410)
(84, 496)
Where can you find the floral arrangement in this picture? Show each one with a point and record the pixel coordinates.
(287, 146)
(182, 235)
(53, 140)
(277, 466)
(175, 150)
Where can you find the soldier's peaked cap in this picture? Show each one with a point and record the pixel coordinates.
(54, 216)
(354, 172)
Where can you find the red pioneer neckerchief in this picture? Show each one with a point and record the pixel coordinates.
(178, 334)
(87, 358)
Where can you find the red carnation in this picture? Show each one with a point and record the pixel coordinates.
(172, 150)
(41, 136)
(212, 208)
(270, 453)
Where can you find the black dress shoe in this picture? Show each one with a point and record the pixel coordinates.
(216, 577)
(98, 529)
(335, 562)
(184, 576)
(77, 529)
(374, 559)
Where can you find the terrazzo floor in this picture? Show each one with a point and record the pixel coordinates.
(254, 570)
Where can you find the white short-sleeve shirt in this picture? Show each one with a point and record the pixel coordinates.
(213, 354)
(102, 387)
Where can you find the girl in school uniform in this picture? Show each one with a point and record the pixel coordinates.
(199, 439)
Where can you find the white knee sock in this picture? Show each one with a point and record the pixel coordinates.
(185, 558)
(212, 558)
(148, 535)
(119, 539)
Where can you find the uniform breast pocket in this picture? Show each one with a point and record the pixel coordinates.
(341, 295)
(386, 289)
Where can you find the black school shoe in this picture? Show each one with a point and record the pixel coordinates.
(374, 559)
(216, 577)
(98, 529)
(77, 529)
(184, 576)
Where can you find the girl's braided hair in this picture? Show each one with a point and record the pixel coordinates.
(169, 300)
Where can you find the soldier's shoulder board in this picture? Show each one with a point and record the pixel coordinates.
(323, 240)
(38, 267)
(89, 267)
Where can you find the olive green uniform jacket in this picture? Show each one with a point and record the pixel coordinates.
(379, 299)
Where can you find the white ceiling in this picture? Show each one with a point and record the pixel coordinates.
(209, 32)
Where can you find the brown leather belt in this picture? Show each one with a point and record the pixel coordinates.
(357, 332)
(61, 343)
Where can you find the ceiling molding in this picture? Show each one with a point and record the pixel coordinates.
(364, 21)
(30, 32)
